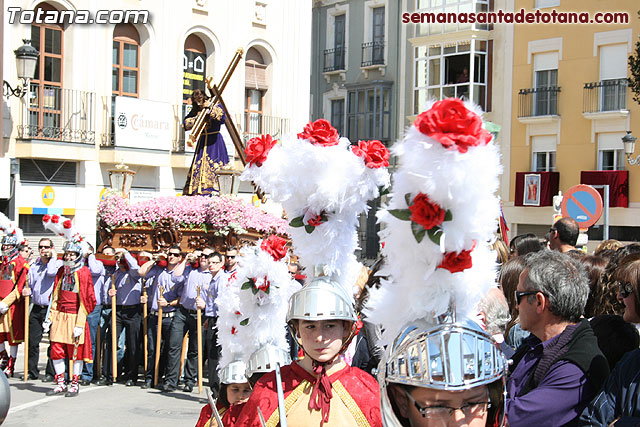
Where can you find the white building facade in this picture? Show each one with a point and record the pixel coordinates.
(60, 140)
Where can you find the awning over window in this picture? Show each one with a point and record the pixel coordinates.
(255, 76)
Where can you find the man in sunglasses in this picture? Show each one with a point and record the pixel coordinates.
(563, 236)
(187, 279)
(158, 282)
(559, 368)
(41, 277)
(231, 262)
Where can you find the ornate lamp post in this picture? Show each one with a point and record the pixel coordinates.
(121, 179)
(629, 142)
(26, 60)
(228, 181)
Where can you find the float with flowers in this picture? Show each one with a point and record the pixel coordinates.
(192, 222)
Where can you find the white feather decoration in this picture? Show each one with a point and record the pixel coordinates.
(63, 226)
(11, 228)
(463, 184)
(309, 180)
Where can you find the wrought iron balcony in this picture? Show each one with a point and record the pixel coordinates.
(538, 101)
(255, 124)
(605, 95)
(372, 53)
(334, 59)
(57, 114)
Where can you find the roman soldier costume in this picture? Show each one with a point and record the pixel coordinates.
(72, 299)
(324, 184)
(13, 276)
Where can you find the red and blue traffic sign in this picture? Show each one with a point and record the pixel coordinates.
(582, 203)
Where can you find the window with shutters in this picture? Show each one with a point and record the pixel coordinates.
(48, 171)
(613, 77)
(543, 150)
(610, 151)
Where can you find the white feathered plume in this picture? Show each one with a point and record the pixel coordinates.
(324, 184)
(442, 213)
(258, 299)
(11, 228)
(63, 226)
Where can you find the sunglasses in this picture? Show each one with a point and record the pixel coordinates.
(230, 256)
(175, 254)
(520, 294)
(625, 289)
(44, 247)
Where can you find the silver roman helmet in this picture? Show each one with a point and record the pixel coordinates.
(75, 247)
(449, 356)
(322, 299)
(10, 240)
(265, 358)
(234, 373)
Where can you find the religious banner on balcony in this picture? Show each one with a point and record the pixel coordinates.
(140, 123)
(531, 195)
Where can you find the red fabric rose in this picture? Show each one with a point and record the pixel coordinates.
(46, 218)
(55, 219)
(265, 285)
(456, 262)
(275, 246)
(237, 313)
(258, 148)
(455, 127)
(320, 132)
(233, 330)
(374, 153)
(315, 221)
(67, 224)
(425, 212)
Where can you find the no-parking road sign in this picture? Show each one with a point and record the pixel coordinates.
(582, 203)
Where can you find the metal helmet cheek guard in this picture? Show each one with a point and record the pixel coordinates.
(265, 358)
(449, 356)
(234, 373)
(76, 247)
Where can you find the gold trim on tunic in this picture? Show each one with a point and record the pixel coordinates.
(274, 419)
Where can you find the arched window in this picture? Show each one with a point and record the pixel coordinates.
(45, 102)
(125, 73)
(194, 63)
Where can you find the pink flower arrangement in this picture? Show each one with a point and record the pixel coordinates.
(220, 213)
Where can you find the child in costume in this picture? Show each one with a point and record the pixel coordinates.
(13, 276)
(324, 184)
(440, 367)
(72, 299)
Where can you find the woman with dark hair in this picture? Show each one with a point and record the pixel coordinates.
(594, 265)
(509, 275)
(527, 244)
(607, 301)
(619, 399)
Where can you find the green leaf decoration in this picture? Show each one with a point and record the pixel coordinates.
(448, 216)
(324, 217)
(383, 191)
(254, 290)
(297, 222)
(408, 199)
(401, 214)
(493, 128)
(418, 231)
(309, 228)
(247, 285)
(244, 322)
(268, 290)
(435, 234)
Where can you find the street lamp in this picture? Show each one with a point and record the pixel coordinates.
(629, 142)
(121, 179)
(26, 60)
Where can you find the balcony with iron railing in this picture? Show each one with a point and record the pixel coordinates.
(372, 54)
(608, 97)
(52, 113)
(538, 102)
(334, 59)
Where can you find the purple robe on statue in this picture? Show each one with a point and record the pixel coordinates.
(210, 154)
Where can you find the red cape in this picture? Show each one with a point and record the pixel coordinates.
(229, 416)
(88, 299)
(361, 386)
(16, 311)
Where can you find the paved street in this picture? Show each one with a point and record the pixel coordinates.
(101, 406)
